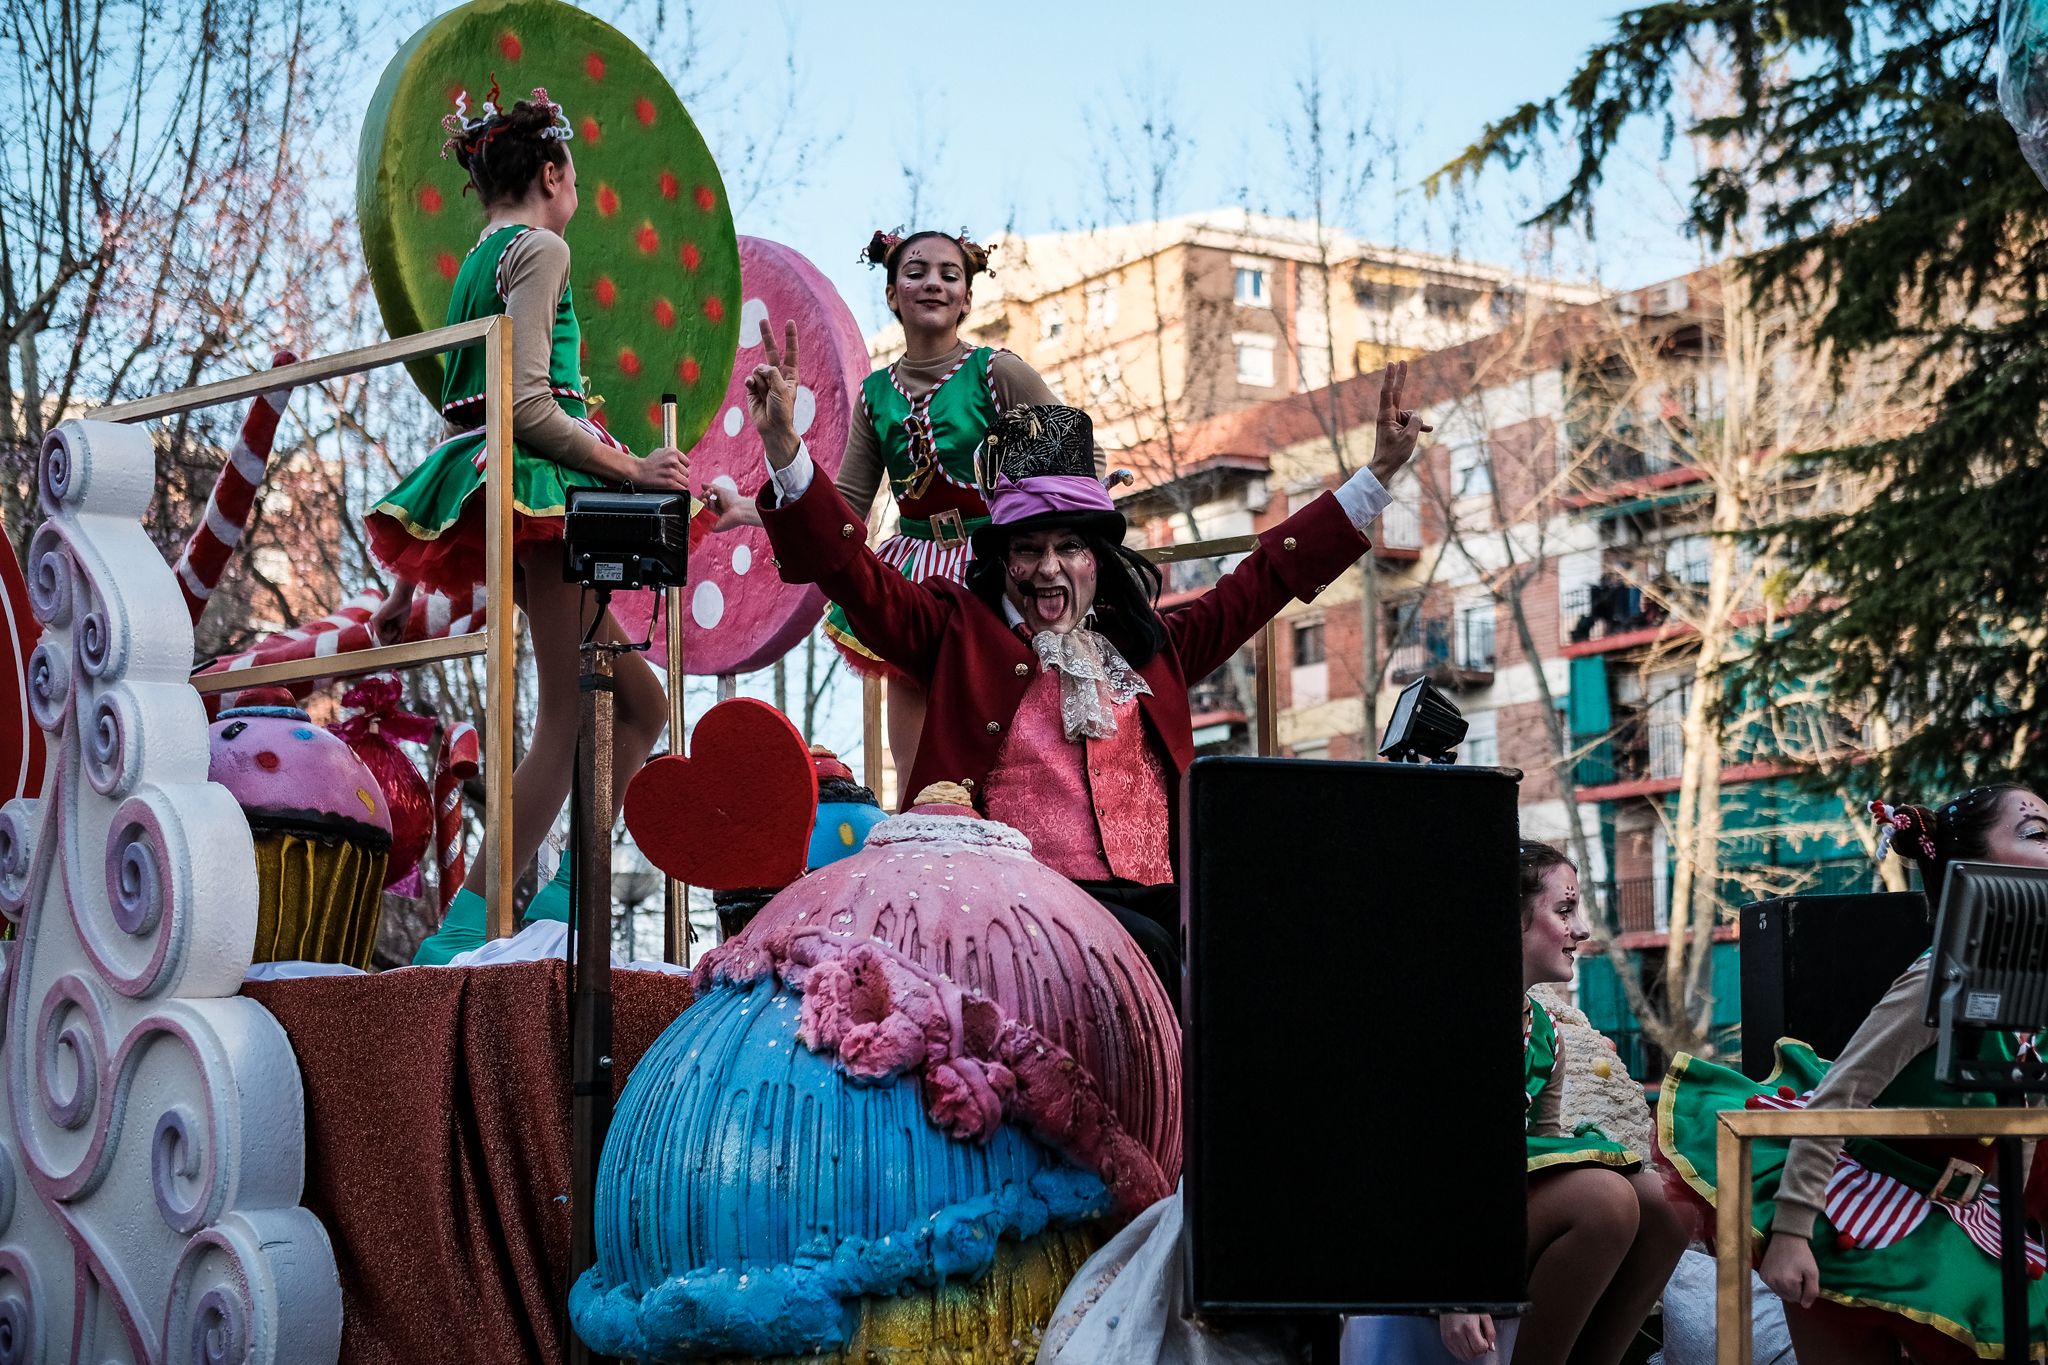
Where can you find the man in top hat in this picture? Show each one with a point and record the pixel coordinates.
(1058, 691)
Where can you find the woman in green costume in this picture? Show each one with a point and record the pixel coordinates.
(1875, 1246)
(429, 529)
(1603, 1239)
(920, 421)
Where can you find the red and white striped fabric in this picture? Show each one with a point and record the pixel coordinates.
(922, 559)
(346, 629)
(213, 540)
(1872, 1210)
(458, 760)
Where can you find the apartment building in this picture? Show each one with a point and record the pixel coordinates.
(1157, 326)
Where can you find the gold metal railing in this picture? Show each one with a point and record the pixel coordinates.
(495, 641)
(1738, 1128)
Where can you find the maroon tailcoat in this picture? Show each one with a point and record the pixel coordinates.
(975, 667)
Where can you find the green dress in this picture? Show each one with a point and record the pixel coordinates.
(430, 527)
(1587, 1145)
(928, 446)
(1880, 1242)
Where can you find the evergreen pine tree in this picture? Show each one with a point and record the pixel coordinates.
(1888, 198)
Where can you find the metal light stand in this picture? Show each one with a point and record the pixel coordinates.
(675, 921)
(590, 1066)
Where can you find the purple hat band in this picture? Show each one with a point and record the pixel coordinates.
(1013, 500)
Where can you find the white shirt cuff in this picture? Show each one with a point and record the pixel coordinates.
(1362, 495)
(793, 480)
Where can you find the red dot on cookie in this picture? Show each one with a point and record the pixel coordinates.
(588, 130)
(692, 258)
(583, 350)
(669, 185)
(629, 362)
(607, 292)
(690, 370)
(664, 312)
(268, 761)
(706, 199)
(607, 201)
(647, 239)
(509, 45)
(593, 67)
(447, 265)
(654, 415)
(430, 199)
(643, 109)
(714, 309)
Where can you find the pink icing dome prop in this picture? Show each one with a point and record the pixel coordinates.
(742, 615)
(286, 771)
(962, 898)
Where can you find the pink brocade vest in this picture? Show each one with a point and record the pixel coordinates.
(1093, 809)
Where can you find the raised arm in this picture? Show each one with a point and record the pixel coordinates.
(1305, 553)
(819, 539)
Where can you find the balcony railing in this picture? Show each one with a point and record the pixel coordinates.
(1450, 653)
(1635, 898)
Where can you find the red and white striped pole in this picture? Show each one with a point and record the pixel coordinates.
(213, 540)
(456, 762)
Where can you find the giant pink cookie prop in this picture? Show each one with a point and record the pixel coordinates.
(742, 616)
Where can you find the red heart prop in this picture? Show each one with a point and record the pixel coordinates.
(738, 811)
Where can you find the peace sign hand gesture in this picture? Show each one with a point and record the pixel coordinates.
(771, 395)
(1398, 429)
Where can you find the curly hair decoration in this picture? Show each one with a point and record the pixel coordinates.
(533, 123)
(881, 250)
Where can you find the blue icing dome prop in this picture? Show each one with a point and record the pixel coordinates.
(752, 1192)
(846, 811)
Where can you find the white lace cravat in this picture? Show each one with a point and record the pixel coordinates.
(1094, 680)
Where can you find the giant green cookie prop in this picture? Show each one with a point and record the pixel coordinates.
(656, 273)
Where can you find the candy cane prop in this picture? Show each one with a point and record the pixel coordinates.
(346, 629)
(206, 553)
(456, 762)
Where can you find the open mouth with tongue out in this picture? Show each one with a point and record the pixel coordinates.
(1046, 607)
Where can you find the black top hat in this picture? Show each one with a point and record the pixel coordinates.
(1037, 469)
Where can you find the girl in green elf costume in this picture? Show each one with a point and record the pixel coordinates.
(919, 423)
(1875, 1246)
(1603, 1239)
(429, 529)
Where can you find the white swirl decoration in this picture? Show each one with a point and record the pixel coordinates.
(152, 1127)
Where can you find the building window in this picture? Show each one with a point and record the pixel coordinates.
(1052, 320)
(1374, 296)
(1312, 748)
(1308, 644)
(1481, 747)
(1252, 290)
(1105, 376)
(1101, 296)
(1254, 359)
(1471, 471)
(1474, 642)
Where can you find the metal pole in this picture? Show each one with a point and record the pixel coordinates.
(728, 686)
(500, 662)
(590, 1065)
(675, 923)
(1266, 690)
(871, 735)
(2012, 1245)
(1731, 1246)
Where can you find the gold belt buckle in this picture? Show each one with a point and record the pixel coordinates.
(949, 529)
(1973, 1182)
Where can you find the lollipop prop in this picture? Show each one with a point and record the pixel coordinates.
(675, 921)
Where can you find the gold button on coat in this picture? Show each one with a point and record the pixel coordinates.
(995, 727)
(1022, 669)
(1287, 544)
(846, 531)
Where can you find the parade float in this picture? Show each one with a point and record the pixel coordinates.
(202, 1158)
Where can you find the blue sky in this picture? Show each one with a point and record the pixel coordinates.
(993, 111)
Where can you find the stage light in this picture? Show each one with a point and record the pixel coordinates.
(1424, 728)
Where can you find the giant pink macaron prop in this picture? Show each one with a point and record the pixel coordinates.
(742, 616)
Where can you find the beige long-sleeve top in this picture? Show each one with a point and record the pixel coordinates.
(861, 468)
(1891, 1037)
(533, 274)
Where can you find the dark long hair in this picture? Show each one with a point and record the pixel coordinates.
(1959, 829)
(1533, 860)
(1126, 596)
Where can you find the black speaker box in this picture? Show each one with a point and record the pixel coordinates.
(1812, 967)
(1353, 1028)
